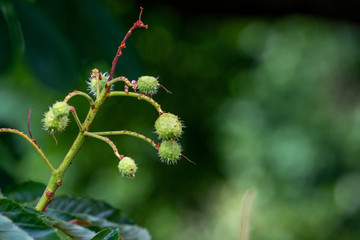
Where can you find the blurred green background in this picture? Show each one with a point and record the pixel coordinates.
(270, 103)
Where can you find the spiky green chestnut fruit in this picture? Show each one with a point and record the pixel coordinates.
(148, 84)
(60, 109)
(53, 123)
(92, 83)
(169, 151)
(168, 126)
(127, 167)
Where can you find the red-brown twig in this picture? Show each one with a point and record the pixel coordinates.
(28, 125)
(165, 89)
(188, 159)
(137, 24)
(53, 134)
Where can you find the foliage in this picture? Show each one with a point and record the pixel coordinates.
(66, 218)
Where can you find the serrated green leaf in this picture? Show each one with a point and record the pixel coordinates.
(126, 231)
(74, 231)
(30, 222)
(133, 232)
(98, 214)
(58, 214)
(70, 224)
(26, 192)
(41, 226)
(107, 234)
(100, 209)
(9, 231)
(67, 223)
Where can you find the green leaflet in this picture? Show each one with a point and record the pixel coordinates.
(27, 192)
(107, 234)
(8, 230)
(97, 214)
(30, 222)
(66, 217)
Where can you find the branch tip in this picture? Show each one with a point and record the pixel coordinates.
(53, 134)
(137, 24)
(141, 10)
(188, 159)
(165, 89)
(28, 125)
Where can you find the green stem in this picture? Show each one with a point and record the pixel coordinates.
(126, 132)
(56, 177)
(139, 96)
(107, 140)
(77, 120)
(32, 143)
(118, 79)
(79, 93)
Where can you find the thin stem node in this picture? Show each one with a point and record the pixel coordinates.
(77, 120)
(108, 141)
(79, 93)
(126, 132)
(139, 96)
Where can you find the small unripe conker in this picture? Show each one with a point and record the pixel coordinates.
(127, 167)
(60, 109)
(148, 84)
(168, 126)
(53, 123)
(169, 151)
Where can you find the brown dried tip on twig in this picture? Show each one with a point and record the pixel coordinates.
(53, 134)
(165, 89)
(28, 125)
(188, 159)
(137, 24)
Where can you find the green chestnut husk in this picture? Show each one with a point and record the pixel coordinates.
(60, 109)
(54, 124)
(127, 167)
(169, 151)
(168, 126)
(148, 84)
